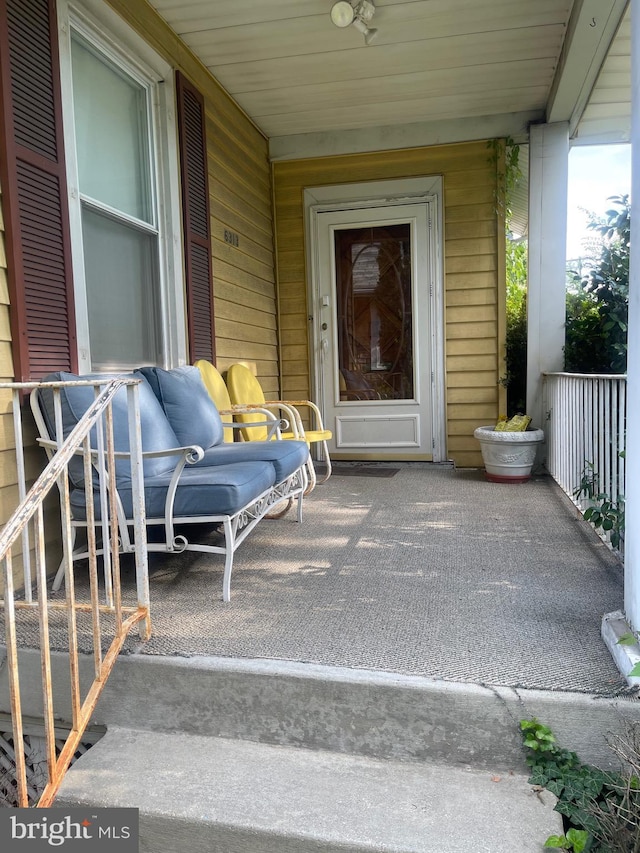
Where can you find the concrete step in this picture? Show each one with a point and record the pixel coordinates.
(374, 714)
(205, 794)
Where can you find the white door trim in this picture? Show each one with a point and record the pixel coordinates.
(377, 194)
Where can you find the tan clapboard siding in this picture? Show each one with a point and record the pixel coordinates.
(475, 296)
(233, 277)
(468, 178)
(466, 363)
(240, 200)
(254, 249)
(248, 217)
(226, 146)
(474, 413)
(474, 285)
(469, 195)
(227, 353)
(470, 280)
(466, 230)
(478, 346)
(224, 173)
(241, 297)
(4, 284)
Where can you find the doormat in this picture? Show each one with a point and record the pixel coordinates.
(365, 471)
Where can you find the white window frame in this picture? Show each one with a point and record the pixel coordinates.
(102, 27)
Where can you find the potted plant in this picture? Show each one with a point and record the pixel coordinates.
(509, 449)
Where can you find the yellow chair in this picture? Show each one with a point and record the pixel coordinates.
(215, 385)
(245, 390)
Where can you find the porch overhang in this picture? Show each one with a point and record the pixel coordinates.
(437, 72)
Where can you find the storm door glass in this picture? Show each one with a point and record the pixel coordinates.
(374, 313)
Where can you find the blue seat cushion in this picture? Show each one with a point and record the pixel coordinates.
(285, 456)
(186, 402)
(216, 490)
(157, 433)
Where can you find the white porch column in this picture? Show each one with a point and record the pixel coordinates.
(632, 480)
(616, 625)
(548, 179)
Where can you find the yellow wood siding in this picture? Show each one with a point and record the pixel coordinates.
(474, 274)
(240, 200)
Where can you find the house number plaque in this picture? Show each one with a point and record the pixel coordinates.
(231, 237)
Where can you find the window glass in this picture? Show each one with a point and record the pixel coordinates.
(375, 340)
(120, 264)
(112, 134)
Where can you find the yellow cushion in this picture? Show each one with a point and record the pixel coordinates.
(244, 389)
(214, 383)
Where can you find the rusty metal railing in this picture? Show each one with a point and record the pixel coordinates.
(25, 537)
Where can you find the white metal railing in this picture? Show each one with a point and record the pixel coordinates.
(24, 540)
(585, 432)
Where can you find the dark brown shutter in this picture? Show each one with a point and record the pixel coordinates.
(196, 222)
(34, 190)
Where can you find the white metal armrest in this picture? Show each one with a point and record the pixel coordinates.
(275, 426)
(294, 422)
(309, 405)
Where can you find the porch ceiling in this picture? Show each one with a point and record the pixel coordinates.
(443, 63)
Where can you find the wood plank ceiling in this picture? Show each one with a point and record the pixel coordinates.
(294, 72)
(607, 117)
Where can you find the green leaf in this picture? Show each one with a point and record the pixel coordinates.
(578, 838)
(558, 841)
(628, 639)
(635, 672)
(538, 777)
(566, 808)
(555, 786)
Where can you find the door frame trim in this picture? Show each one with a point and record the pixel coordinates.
(379, 194)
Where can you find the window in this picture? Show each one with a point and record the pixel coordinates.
(120, 237)
(92, 185)
(128, 309)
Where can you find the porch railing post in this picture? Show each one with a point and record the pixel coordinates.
(632, 543)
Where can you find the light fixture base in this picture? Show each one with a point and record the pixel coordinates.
(365, 10)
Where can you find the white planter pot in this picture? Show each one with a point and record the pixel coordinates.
(508, 456)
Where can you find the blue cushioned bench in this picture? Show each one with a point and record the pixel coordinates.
(191, 477)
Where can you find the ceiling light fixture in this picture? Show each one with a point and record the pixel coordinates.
(343, 14)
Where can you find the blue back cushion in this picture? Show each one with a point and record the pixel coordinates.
(187, 404)
(155, 428)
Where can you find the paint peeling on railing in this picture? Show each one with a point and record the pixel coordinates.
(27, 527)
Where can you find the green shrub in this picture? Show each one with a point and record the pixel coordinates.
(516, 350)
(603, 804)
(598, 297)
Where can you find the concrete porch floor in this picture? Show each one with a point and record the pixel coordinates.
(394, 639)
(430, 571)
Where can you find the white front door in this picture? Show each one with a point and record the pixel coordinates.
(375, 331)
